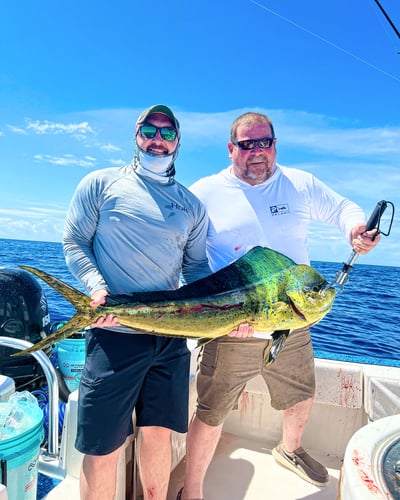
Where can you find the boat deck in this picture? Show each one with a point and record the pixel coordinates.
(244, 469)
(350, 398)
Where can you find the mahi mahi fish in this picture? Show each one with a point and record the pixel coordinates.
(263, 288)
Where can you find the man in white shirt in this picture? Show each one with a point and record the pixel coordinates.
(254, 202)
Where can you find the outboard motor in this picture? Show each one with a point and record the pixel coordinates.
(24, 315)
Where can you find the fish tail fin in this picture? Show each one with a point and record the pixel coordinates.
(78, 299)
(74, 325)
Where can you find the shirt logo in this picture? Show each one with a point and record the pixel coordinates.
(176, 206)
(282, 209)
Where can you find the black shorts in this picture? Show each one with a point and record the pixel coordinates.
(124, 372)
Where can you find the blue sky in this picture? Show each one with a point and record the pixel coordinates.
(75, 75)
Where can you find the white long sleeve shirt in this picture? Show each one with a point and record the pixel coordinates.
(274, 214)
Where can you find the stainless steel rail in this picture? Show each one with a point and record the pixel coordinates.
(52, 382)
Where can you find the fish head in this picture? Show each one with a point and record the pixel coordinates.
(308, 294)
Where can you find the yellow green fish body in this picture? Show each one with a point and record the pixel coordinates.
(263, 288)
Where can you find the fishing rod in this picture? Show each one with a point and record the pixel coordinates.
(373, 222)
(388, 18)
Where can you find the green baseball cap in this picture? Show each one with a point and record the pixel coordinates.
(158, 108)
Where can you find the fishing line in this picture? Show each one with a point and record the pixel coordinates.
(325, 40)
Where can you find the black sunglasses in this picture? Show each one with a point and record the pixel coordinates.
(150, 131)
(263, 143)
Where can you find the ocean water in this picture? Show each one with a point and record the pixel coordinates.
(362, 325)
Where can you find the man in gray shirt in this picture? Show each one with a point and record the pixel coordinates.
(129, 229)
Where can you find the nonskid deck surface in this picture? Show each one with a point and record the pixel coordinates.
(245, 470)
(241, 469)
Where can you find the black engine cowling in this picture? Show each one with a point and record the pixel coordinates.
(24, 315)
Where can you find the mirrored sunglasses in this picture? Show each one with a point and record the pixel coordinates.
(150, 131)
(263, 143)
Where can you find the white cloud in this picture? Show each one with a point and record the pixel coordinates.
(79, 131)
(33, 222)
(31, 211)
(316, 133)
(17, 130)
(117, 162)
(66, 160)
(42, 230)
(109, 147)
(46, 127)
(346, 142)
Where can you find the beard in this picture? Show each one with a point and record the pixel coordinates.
(258, 170)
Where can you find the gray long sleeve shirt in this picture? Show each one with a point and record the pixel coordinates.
(127, 233)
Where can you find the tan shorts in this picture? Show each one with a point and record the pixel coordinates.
(227, 364)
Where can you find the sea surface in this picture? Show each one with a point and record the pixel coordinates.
(362, 325)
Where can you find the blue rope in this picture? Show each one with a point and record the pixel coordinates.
(43, 401)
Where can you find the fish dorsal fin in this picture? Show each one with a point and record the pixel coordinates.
(256, 265)
(259, 263)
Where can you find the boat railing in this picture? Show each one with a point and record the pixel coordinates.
(52, 382)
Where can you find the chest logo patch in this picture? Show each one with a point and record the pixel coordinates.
(281, 209)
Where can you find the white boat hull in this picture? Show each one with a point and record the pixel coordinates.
(348, 397)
